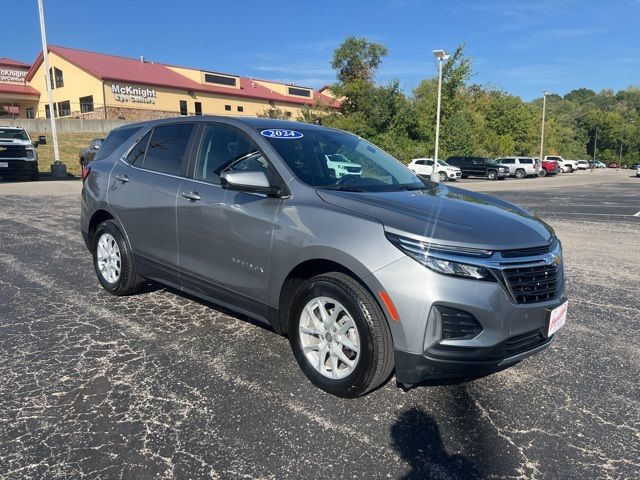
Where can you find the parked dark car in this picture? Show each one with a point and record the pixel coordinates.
(87, 154)
(479, 167)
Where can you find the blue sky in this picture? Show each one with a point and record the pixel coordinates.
(521, 47)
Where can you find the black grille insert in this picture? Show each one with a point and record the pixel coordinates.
(13, 151)
(529, 252)
(457, 324)
(523, 343)
(534, 284)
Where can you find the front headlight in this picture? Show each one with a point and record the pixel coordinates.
(31, 154)
(427, 255)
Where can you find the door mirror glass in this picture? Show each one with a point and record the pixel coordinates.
(248, 181)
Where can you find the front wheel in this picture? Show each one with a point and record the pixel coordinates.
(113, 262)
(443, 176)
(491, 175)
(339, 336)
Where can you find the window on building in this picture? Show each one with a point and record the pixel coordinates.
(86, 104)
(53, 85)
(240, 108)
(64, 108)
(30, 113)
(225, 148)
(47, 112)
(219, 79)
(167, 148)
(57, 73)
(198, 108)
(183, 107)
(136, 155)
(227, 108)
(300, 92)
(287, 114)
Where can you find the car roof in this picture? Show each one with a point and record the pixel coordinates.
(253, 122)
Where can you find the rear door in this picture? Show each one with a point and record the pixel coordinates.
(143, 191)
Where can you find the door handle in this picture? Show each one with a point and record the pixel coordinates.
(193, 196)
(122, 178)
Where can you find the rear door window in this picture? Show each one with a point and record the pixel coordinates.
(167, 149)
(526, 161)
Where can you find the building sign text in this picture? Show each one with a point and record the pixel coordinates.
(12, 76)
(127, 93)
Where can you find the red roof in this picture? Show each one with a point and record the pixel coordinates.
(18, 88)
(111, 67)
(9, 62)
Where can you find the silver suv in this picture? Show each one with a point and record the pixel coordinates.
(521, 167)
(366, 273)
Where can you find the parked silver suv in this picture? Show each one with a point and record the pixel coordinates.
(521, 167)
(365, 273)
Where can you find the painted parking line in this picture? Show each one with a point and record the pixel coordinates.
(637, 214)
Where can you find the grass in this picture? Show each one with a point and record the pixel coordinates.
(69, 145)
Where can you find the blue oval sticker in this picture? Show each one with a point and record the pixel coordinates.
(280, 133)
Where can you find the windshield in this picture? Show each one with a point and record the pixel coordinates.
(13, 134)
(340, 161)
(442, 162)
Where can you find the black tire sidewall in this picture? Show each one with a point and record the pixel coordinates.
(356, 382)
(492, 175)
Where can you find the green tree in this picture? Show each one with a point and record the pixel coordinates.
(357, 59)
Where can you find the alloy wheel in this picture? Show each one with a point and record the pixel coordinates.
(109, 258)
(329, 337)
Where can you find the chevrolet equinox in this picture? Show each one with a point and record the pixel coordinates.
(367, 273)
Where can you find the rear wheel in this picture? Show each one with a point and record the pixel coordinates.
(520, 174)
(339, 336)
(113, 262)
(492, 175)
(542, 172)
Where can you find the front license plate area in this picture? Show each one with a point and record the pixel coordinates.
(556, 318)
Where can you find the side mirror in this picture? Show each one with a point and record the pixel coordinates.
(35, 144)
(254, 182)
(42, 140)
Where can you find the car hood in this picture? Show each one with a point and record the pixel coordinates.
(12, 141)
(448, 215)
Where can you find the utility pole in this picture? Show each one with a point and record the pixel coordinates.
(58, 169)
(595, 145)
(441, 56)
(544, 111)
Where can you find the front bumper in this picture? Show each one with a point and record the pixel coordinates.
(14, 168)
(509, 331)
(505, 174)
(454, 175)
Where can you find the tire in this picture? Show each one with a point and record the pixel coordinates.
(443, 176)
(520, 174)
(34, 177)
(492, 175)
(569, 169)
(542, 172)
(126, 282)
(464, 176)
(369, 332)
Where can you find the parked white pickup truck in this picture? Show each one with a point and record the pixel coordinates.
(566, 166)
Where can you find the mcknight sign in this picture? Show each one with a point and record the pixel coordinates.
(127, 93)
(12, 76)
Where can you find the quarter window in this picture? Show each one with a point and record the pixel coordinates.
(114, 140)
(225, 148)
(167, 148)
(136, 155)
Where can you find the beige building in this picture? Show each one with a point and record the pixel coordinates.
(95, 86)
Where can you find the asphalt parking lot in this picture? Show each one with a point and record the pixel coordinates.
(162, 385)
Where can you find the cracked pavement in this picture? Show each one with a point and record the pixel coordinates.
(160, 385)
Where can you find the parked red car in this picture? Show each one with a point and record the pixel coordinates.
(550, 167)
(613, 165)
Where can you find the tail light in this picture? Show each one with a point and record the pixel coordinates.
(85, 172)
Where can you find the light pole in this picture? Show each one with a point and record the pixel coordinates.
(595, 145)
(441, 56)
(544, 111)
(58, 169)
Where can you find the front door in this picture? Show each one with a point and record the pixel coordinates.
(224, 236)
(143, 193)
